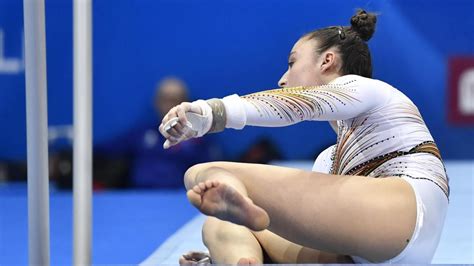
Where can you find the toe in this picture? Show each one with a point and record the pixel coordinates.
(202, 186)
(215, 183)
(208, 184)
(197, 189)
(247, 261)
(243, 261)
(252, 261)
(194, 198)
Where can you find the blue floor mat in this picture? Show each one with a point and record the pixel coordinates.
(128, 226)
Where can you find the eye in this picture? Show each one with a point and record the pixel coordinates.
(290, 64)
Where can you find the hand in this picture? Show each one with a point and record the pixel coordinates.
(178, 130)
(185, 121)
(194, 258)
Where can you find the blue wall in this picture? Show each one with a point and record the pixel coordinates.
(224, 47)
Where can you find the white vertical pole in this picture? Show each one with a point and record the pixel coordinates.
(82, 155)
(37, 138)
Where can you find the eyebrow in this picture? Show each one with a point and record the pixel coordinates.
(292, 53)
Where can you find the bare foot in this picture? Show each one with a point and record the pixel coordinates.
(247, 261)
(224, 202)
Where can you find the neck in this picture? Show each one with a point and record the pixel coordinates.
(329, 78)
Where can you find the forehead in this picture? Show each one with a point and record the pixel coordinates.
(304, 46)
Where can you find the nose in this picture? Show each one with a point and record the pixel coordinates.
(283, 80)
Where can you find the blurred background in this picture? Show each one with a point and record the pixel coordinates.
(219, 48)
(150, 53)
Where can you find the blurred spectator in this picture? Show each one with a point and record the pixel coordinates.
(142, 147)
(12, 171)
(261, 151)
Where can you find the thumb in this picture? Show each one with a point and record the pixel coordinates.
(166, 145)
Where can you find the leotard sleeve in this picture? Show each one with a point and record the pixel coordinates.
(344, 99)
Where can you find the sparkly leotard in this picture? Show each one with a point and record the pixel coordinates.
(380, 131)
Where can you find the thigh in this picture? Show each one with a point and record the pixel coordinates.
(280, 250)
(367, 217)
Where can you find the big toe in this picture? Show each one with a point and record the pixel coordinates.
(194, 198)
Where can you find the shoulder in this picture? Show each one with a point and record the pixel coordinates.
(357, 80)
(366, 89)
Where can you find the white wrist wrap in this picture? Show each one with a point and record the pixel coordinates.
(235, 112)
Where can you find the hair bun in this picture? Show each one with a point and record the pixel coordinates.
(363, 24)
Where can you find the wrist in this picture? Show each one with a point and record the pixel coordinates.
(219, 116)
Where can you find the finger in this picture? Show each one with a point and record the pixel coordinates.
(163, 128)
(173, 140)
(205, 261)
(168, 143)
(181, 112)
(171, 123)
(168, 125)
(196, 255)
(163, 132)
(174, 133)
(160, 128)
(171, 113)
(183, 261)
(180, 129)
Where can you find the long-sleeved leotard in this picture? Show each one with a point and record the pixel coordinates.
(380, 131)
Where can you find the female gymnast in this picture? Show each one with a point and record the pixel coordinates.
(379, 194)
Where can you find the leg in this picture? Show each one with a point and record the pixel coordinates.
(366, 217)
(280, 250)
(234, 244)
(230, 243)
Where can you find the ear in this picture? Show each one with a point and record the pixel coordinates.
(328, 61)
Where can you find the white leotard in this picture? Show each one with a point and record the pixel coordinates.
(380, 131)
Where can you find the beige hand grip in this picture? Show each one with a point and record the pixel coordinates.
(194, 122)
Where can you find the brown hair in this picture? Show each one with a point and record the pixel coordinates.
(350, 41)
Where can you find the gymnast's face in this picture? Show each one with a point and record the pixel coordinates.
(305, 67)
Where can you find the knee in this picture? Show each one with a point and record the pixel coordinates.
(213, 231)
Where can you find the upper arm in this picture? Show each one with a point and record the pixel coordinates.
(350, 97)
(330, 102)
